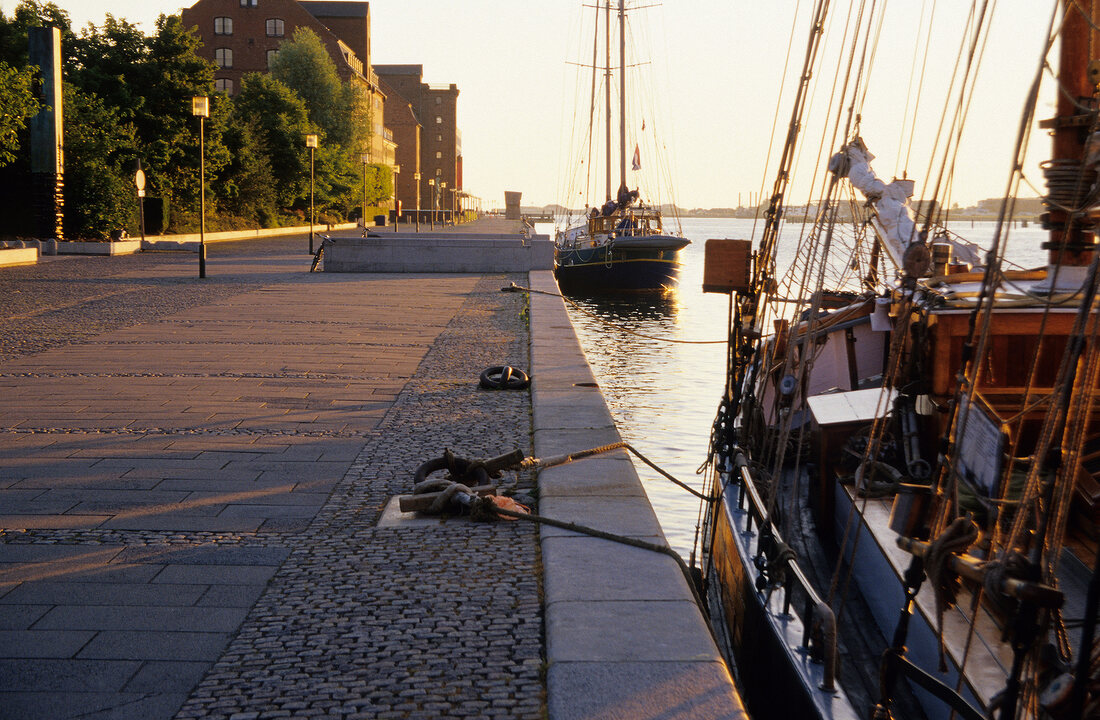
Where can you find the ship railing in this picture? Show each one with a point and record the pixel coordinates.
(816, 613)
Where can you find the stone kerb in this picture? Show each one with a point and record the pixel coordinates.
(445, 253)
(624, 635)
(18, 256)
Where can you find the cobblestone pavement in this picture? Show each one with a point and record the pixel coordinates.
(199, 538)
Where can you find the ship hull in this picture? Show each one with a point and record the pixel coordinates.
(761, 632)
(642, 264)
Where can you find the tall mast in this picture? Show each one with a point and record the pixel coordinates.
(607, 83)
(590, 176)
(622, 95)
(1072, 236)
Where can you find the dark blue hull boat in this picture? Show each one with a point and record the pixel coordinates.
(610, 268)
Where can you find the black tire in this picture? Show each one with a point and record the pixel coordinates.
(504, 377)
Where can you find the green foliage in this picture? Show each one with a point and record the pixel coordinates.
(28, 14)
(17, 103)
(128, 99)
(172, 74)
(99, 193)
(246, 189)
(280, 121)
(303, 65)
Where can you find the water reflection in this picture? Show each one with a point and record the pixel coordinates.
(663, 395)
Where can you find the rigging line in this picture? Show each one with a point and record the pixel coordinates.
(519, 288)
(993, 274)
(920, 91)
(775, 118)
(839, 99)
(774, 216)
(966, 110)
(592, 101)
(909, 90)
(980, 30)
(926, 201)
(871, 60)
(805, 361)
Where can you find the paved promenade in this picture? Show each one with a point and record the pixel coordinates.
(191, 477)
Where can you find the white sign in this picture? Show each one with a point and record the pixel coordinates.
(980, 446)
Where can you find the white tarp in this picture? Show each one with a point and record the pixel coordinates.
(891, 200)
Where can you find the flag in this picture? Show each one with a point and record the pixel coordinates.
(637, 162)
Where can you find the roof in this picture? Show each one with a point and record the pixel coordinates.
(417, 70)
(332, 8)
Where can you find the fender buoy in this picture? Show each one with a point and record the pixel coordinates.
(504, 377)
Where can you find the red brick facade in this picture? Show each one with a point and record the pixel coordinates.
(240, 35)
(436, 109)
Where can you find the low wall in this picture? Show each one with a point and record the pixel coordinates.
(453, 253)
(624, 636)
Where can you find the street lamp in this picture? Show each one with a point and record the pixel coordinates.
(366, 158)
(416, 177)
(431, 192)
(441, 203)
(200, 108)
(311, 143)
(396, 203)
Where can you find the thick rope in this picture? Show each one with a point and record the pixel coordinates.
(956, 538)
(519, 288)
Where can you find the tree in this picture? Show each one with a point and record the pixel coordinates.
(99, 153)
(17, 104)
(340, 110)
(281, 122)
(170, 76)
(247, 188)
(303, 65)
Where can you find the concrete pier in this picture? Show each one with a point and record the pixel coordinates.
(193, 474)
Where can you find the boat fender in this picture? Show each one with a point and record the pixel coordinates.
(504, 377)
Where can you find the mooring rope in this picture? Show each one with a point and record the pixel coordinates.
(519, 288)
(532, 463)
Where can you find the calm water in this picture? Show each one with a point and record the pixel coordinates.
(663, 395)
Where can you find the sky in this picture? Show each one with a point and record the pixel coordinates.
(710, 74)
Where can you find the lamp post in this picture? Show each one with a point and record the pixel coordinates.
(431, 192)
(416, 177)
(200, 108)
(441, 203)
(396, 203)
(311, 143)
(366, 158)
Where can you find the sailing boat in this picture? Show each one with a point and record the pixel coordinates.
(931, 413)
(622, 243)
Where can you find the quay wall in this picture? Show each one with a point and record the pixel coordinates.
(624, 637)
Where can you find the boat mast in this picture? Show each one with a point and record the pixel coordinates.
(1072, 242)
(607, 77)
(622, 96)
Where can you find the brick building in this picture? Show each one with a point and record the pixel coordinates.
(435, 110)
(243, 36)
(403, 122)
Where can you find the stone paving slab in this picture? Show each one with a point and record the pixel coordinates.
(169, 481)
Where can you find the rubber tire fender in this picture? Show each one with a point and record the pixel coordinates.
(504, 377)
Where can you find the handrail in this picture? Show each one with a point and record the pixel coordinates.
(817, 612)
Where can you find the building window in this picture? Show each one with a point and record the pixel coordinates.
(274, 27)
(439, 137)
(438, 155)
(249, 3)
(438, 119)
(438, 100)
(271, 55)
(224, 85)
(223, 26)
(223, 57)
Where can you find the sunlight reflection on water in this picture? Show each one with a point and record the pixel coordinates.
(663, 395)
